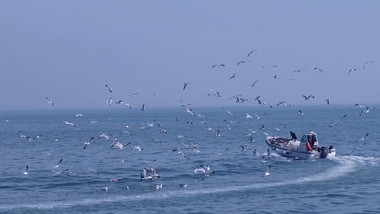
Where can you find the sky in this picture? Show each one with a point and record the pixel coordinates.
(68, 50)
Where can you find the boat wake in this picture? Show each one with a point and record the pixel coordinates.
(345, 165)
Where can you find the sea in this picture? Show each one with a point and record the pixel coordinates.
(204, 159)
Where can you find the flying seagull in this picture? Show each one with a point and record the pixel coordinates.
(25, 172)
(233, 76)
(49, 101)
(69, 123)
(185, 85)
(254, 50)
(109, 88)
(308, 97)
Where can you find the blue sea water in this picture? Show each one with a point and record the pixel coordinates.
(175, 143)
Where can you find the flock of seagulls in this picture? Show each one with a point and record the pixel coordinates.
(149, 174)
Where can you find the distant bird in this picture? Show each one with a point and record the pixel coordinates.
(109, 88)
(283, 103)
(69, 123)
(308, 97)
(202, 169)
(157, 186)
(361, 139)
(219, 65)
(105, 136)
(207, 175)
(88, 142)
(248, 116)
(79, 115)
(318, 69)
(276, 76)
(366, 63)
(25, 172)
(117, 143)
(57, 165)
(242, 61)
(49, 101)
(119, 102)
(351, 70)
(267, 104)
(104, 188)
(233, 76)
(300, 112)
(185, 85)
(134, 95)
(109, 101)
(258, 100)
(254, 50)
(358, 147)
(327, 101)
(128, 106)
(254, 83)
(94, 170)
(183, 185)
(339, 122)
(143, 107)
(268, 171)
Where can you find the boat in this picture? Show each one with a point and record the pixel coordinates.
(306, 149)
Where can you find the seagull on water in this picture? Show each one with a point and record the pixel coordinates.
(25, 172)
(268, 170)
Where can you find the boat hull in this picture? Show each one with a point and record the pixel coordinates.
(288, 152)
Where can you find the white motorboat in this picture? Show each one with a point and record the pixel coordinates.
(307, 148)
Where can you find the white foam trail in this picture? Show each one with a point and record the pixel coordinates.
(347, 164)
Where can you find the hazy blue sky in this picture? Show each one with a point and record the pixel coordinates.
(69, 50)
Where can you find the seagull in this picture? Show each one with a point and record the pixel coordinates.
(49, 101)
(207, 175)
(94, 170)
(60, 161)
(143, 107)
(339, 122)
(185, 85)
(109, 88)
(366, 63)
(361, 139)
(358, 147)
(25, 172)
(79, 115)
(351, 70)
(103, 135)
(88, 142)
(318, 69)
(117, 143)
(183, 185)
(258, 100)
(248, 116)
(308, 97)
(220, 65)
(157, 187)
(202, 169)
(254, 83)
(327, 101)
(134, 95)
(284, 103)
(104, 188)
(119, 102)
(69, 123)
(300, 112)
(109, 101)
(267, 172)
(254, 50)
(233, 76)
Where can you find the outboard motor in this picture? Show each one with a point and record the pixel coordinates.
(324, 151)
